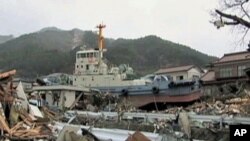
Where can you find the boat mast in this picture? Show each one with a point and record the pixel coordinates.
(100, 41)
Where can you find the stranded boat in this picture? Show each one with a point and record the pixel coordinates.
(91, 71)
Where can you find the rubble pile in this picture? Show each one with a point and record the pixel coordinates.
(234, 106)
(173, 110)
(27, 130)
(18, 119)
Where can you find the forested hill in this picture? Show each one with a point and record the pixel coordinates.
(5, 38)
(150, 53)
(53, 50)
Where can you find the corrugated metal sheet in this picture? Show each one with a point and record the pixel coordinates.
(111, 134)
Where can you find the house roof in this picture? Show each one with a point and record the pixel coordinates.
(208, 76)
(174, 69)
(238, 56)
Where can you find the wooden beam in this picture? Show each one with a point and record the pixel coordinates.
(74, 103)
(7, 74)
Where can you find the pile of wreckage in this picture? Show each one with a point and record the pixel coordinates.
(20, 120)
(155, 126)
(238, 106)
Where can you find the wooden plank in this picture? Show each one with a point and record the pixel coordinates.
(30, 132)
(18, 133)
(74, 103)
(27, 122)
(18, 125)
(24, 115)
(7, 74)
(4, 124)
(2, 111)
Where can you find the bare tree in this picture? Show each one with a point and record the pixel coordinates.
(233, 13)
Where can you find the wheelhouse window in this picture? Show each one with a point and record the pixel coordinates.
(82, 55)
(226, 72)
(91, 55)
(241, 70)
(87, 55)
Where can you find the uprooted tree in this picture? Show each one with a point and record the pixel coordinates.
(233, 13)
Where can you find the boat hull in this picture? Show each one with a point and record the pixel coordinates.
(142, 100)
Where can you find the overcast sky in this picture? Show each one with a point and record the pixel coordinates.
(182, 21)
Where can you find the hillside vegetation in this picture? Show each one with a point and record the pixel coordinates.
(5, 38)
(53, 50)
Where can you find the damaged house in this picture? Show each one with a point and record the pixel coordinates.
(189, 72)
(56, 90)
(227, 73)
(60, 95)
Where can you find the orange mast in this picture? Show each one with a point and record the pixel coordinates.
(100, 41)
(101, 38)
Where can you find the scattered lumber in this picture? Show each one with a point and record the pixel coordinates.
(25, 126)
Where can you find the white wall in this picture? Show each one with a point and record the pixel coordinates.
(69, 97)
(192, 72)
(49, 98)
(187, 75)
(175, 74)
